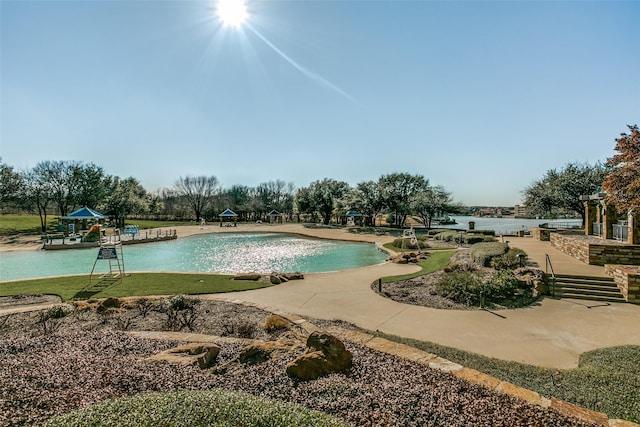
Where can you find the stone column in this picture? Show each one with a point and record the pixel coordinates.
(590, 216)
(609, 217)
(634, 229)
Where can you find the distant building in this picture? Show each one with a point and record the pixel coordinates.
(520, 211)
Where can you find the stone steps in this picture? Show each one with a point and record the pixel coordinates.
(586, 287)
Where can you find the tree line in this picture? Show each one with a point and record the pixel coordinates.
(59, 187)
(62, 186)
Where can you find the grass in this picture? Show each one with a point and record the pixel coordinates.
(436, 261)
(217, 408)
(136, 284)
(30, 224)
(606, 380)
(24, 224)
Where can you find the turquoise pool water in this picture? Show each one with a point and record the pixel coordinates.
(215, 253)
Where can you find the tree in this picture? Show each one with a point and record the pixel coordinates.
(562, 189)
(322, 197)
(36, 193)
(398, 190)
(366, 198)
(431, 202)
(198, 191)
(10, 184)
(622, 183)
(127, 196)
(62, 183)
(91, 185)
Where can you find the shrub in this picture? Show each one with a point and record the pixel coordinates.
(276, 323)
(47, 320)
(500, 286)
(406, 243)
(182, 312)
(196, 408)
(482, 253)
(508, 261)
(463, 288)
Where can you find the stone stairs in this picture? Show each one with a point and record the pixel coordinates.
(585, 287)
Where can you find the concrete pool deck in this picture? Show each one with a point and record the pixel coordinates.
(553, 333)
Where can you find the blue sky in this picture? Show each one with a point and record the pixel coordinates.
(480, 97)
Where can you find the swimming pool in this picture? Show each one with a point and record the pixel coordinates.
(214, 253)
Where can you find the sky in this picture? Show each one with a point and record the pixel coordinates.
(481, 97)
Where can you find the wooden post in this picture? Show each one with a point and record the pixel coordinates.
(380, 285)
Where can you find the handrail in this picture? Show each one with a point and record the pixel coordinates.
(548, 266)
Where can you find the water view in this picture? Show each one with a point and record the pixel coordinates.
(506, 225)
(213, 253)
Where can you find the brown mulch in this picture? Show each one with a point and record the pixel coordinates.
(87, 359)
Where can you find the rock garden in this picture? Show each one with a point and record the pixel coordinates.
(72, 356)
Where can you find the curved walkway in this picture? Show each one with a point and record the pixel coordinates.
(552, 334)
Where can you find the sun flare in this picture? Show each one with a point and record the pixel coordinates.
(232, 12)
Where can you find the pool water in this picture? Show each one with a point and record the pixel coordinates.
(215, 253)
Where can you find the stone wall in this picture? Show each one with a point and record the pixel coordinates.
(570, 245)
(596, 251)
(542, 234)
(627, 277)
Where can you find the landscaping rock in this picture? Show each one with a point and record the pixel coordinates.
(247, 276)
(198, 354)
(275, 279)
(327, 355)
(109, 303)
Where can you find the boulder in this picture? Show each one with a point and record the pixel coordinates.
(261, 351)
(326, 354)
(275, 279)
(108, 303)
(247, 276)
(198, 354)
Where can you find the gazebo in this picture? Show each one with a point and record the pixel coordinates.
(275, 216)
(351, 216)
(83, 214)
(227, 216)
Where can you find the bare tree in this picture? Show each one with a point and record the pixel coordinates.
(198, 191)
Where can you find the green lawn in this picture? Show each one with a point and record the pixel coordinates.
(136, 284)
(25, 224)
(30, 224)
(606, 380)
(436, 261)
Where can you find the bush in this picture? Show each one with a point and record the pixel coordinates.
(195, 408)
(463, 288)
(406, 243)
(276, 323)
(508, 261)
(482, 253)
(500, 286)
(181, 312)
(467, 238)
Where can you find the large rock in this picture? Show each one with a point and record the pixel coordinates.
(326, 355)
(199, 354)
(261, 351)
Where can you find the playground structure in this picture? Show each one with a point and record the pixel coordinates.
(410, 234)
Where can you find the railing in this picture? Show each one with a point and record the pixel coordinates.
(597, 229)
(620, 231)
(552, 283)
(560, 225)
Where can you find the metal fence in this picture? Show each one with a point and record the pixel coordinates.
(620, 231)
(597, 229)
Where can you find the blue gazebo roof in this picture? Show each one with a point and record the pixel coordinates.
(84, 213)
(228, 212)
(353, 213)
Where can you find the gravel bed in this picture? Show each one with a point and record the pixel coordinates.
(421, 290)
(85, 361)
